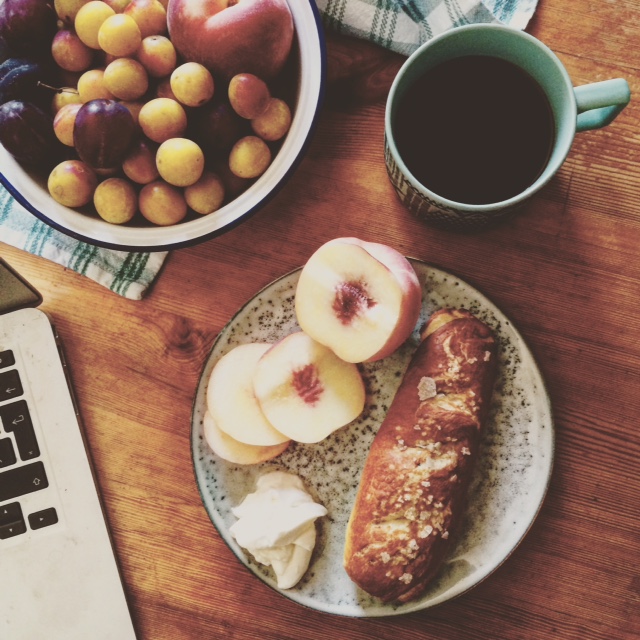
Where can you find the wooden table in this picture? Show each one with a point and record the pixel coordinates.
(566, 272)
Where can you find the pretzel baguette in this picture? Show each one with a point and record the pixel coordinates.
(413, 487)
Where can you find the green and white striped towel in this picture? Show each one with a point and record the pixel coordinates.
(399, 25)
(128, 274)
(403, 25)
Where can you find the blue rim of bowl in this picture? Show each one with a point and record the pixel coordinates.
(233, 223)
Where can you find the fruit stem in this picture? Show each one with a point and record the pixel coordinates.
(57, 89)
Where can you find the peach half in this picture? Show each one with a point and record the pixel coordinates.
(360, 299)
(231, 400)
(231, 450)
(305, 390)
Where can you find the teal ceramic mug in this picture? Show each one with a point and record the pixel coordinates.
(572, 109)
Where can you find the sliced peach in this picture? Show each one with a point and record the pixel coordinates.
(360, 299)
(231, 401)
(305, 390)
(236, 452)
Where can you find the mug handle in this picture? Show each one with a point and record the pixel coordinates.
(600, 102)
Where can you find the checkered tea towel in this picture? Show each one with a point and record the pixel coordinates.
(403, 25)
(128, 274)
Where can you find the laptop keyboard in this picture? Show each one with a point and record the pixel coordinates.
(21, 471)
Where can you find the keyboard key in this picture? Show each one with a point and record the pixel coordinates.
(10, 512)
(19, 481)
(7, 454)
(13, 529)
(10, 386)
(44, 518)
(6, 359)
(11, 521)
(16, 419)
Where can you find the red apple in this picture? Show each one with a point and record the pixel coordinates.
(229, 37)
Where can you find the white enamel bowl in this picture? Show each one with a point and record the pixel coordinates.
(31, 192)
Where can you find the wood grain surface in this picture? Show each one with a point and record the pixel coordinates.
(566, 271)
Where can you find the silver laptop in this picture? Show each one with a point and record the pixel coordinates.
(59, 579)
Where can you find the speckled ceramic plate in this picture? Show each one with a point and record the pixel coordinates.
(510, 479)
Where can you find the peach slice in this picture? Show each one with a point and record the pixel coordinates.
(305, 390)
(231, 401)
(236, 452)
(360, 299)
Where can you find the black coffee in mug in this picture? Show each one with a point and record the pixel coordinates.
(475, 129)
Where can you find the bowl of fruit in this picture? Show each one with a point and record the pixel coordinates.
(155, 124)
